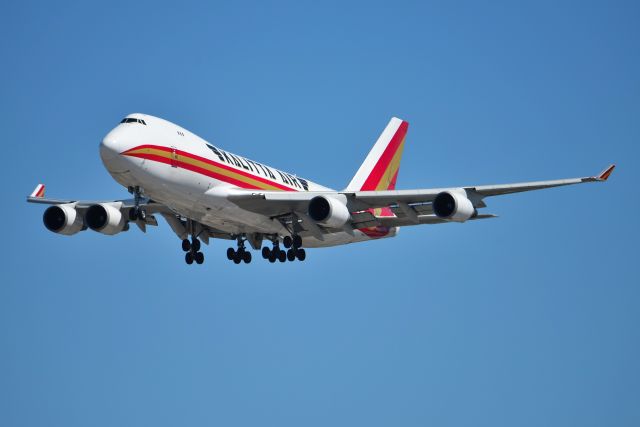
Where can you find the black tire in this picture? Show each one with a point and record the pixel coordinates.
(287, 241)
(133, 215)
(291, 255)
(297, 241)
(272, 257)
(266, 252)
(199, 257)
(195, 244)
(301, 254)
(186, 245)
(246, 257)
(282, 256)
(237, 259)
(231, 254)
(188, 258)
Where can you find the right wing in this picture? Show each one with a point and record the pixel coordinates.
(70, 218)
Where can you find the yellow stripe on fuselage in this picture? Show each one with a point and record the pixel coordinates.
(254, 183)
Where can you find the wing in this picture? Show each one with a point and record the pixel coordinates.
(37, 196)
(72, 216)
(410, 207)
(73, 213)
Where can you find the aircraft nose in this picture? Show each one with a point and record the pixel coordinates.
(109, 146)
(110, 149)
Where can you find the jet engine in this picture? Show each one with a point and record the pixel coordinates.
(453, 206)
(63, 219)
(105, 218)
(329, 211)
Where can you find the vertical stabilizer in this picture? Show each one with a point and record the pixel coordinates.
(379, 170)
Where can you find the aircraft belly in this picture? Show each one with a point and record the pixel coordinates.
(343, 238)
(220, 213)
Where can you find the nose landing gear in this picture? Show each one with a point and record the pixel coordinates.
(137, 213)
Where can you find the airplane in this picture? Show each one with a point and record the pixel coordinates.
(204, 192)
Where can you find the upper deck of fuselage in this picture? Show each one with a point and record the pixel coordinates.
(142, 133)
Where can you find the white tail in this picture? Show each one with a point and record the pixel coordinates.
(379, 170)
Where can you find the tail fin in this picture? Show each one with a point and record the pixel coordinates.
(380, 169)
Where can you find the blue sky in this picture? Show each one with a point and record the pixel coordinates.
(530, 319)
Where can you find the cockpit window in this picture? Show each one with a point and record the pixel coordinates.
(133, 120)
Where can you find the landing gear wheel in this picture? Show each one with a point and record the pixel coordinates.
(188, 258)
(199, 256)
(246, 257)
(231, 254)
(237, 258)
(133, 215)
(297, 241)
(186, 245)
(282, 256)
(287, 241)
(195, 244)
(273, 256)
(301, 254)
(266, 252)
(291, 255)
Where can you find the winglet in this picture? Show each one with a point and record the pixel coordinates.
(605, 174)
(38, 192)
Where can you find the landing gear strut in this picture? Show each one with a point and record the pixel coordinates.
(239, 255)
(137, 213)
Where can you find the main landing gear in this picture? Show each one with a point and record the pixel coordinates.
(192, 249)
(294, 250)
(239, 255)
(275, 253)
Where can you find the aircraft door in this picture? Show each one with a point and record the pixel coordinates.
(174, 157)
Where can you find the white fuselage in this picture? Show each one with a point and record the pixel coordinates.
(194, 178)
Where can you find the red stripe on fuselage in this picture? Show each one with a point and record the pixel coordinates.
(202, 171)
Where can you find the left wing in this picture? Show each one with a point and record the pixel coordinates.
(410, 207)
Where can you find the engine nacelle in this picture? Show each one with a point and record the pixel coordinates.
(63, 219)
(453, 206)
(329, 211)
(105, 218)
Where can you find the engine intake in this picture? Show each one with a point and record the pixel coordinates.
(329, 211)
(453, 206)
(63, 219)
(105, 218)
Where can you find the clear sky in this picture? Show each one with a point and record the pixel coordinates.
(530, 319)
